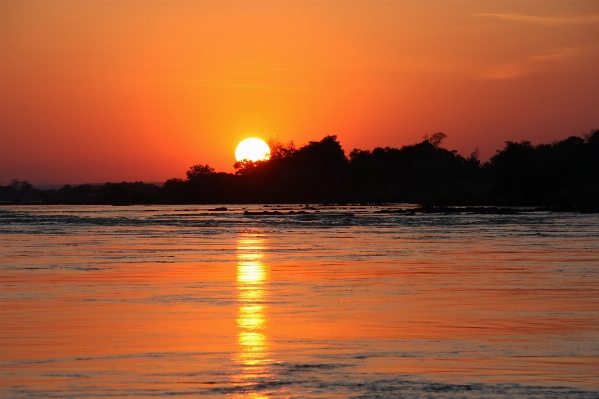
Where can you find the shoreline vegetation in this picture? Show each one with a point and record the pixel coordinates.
(561, 176)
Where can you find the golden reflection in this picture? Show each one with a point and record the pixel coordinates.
(252, 284)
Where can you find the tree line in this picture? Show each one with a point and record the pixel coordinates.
(563, 173)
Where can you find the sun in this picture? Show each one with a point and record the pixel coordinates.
(252, 150)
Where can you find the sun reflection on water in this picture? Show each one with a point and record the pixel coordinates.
(252, 284)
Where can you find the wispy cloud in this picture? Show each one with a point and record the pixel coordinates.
(508, 70)
(558, 55)
(534, 63)
(543, 20)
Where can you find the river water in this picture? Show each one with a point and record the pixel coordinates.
(162, 301)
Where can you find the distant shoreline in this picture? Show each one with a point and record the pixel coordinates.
(387, 208)
(563, 174)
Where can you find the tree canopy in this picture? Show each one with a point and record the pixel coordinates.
(563, 173)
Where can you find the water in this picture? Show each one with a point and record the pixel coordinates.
(163, 301)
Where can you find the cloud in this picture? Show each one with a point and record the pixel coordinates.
(509, 70)
(540, 20)
(565, 53)
(534, 63)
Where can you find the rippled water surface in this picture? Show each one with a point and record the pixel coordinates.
(163, 301)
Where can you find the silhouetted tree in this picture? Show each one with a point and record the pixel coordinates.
(245, 166)
(199, 170)
(20, 185)
(19, 191)
(278, 150)
(474, 158)
(435, 139)
(175, 191)
(322, 155)
(564, 173)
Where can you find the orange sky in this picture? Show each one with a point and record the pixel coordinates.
(114, 91)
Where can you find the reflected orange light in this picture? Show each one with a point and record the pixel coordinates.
(251, 272)
(252, 277)
(250, 317)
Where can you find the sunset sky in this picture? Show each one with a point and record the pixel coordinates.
(121, 91)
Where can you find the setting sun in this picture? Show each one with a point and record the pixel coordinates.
(252, 150)
(317, 199)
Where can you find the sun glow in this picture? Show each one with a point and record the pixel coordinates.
(252, 150)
